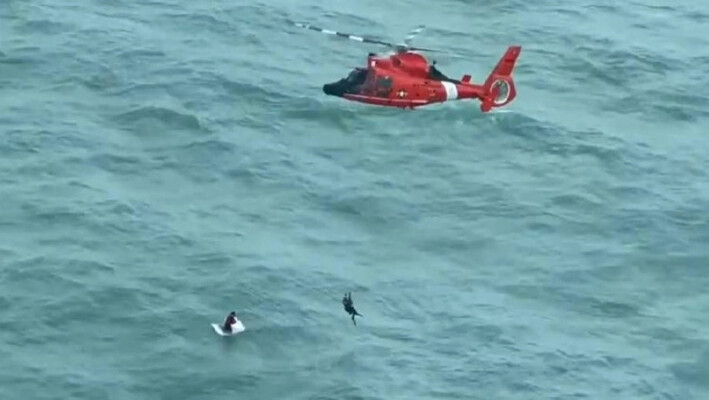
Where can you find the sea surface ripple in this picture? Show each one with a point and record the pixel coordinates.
(163, 163)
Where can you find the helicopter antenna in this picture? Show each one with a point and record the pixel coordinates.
(399, 48)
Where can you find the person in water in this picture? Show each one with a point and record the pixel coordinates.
(347, 302)
(230, 320)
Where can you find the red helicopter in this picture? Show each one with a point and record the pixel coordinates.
(406, 80)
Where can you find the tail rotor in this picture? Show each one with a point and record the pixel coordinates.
(499, 88)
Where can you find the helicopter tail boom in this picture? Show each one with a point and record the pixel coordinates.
(499, 87)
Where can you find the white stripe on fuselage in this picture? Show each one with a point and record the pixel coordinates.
(451, 90)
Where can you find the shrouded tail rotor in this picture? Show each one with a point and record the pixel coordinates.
(499, 87)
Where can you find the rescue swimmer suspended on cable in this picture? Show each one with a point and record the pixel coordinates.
(405, 79)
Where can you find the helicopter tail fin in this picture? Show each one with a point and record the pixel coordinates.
(499, 88)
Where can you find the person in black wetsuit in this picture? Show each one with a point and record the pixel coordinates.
(230, 319)
(347, 302)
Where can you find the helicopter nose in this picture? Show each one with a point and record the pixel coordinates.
(332, 89)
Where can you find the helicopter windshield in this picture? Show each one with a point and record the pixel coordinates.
(357, 76)
(351, 84)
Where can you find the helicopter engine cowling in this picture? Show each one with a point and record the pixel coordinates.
(412, 63)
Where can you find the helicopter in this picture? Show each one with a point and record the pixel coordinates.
(405, 79)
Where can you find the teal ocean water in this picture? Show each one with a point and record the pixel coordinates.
(163, 163)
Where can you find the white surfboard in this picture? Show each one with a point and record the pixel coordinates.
(236, 328)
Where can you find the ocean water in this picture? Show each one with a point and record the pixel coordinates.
(163, 163)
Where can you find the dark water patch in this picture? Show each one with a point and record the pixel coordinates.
(101, 77)
(253, 93)
(497, 204)
(257, 123)
(327, 242)
(582, 304)
(204, 22)
(22, 142)
(146, 90)
(82, 269)
(365, 209)
(577, 201)
(661, 105)
(655, 7)
(334, 114)
(53, 216)
(341, 21)
(569, 12)
(245, 175)
(690, 216)
(166, 243)
(674, 340)
(630, 193)
(459, 245)
(493, 7)
(282, 336)
(547, 138)
(609, 156)
(694, 372)
(136, 61)
(615, 309)
(48, 219)
(396, 335)
(697, 16)
(117, 163)
(97, 305)
(71, 245)
(607, 8)
(483, 335)
(585, 70)
(5, 253)
(632, 225)
(141, 55)
(608, 271)
(206, 150)
(677, 113)
(156, 120)
(528, 128)
(76, 382)
(210, 259)
(44, 26)
(194, 385)
(20, 68)
(623, 70)
(687, 270)
(39, 276)
(17, 60)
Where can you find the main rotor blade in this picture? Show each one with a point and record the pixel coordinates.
(443, 52)
(413, 34)
(344, 35)
(425, 49)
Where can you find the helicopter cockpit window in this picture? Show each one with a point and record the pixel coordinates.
(357, 76)
(384, 82)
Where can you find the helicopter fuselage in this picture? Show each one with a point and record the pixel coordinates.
(406, 80)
